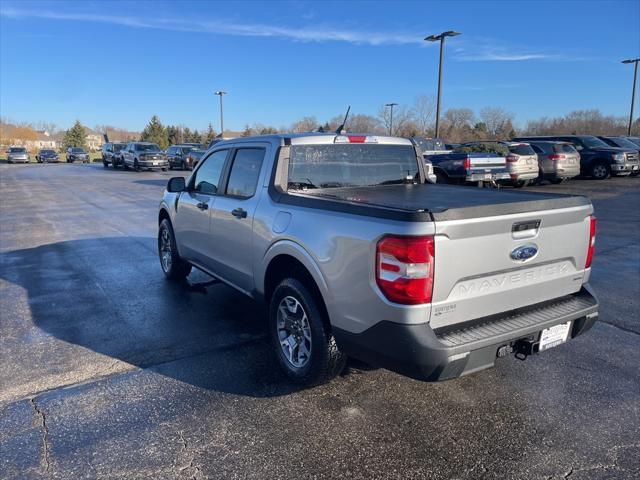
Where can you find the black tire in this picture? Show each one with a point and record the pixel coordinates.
(183, 165)
(635, 173)
(441, 178)
(164, 169)
(136, 165)
(519, 183)
(600, 170)
(557, 181)
(325, 360)
(173, 266)
(105, 164)
(124, 165)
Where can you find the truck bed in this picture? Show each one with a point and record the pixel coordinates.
(424, 202)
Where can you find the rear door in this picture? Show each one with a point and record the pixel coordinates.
(192, 222)
(232, 221)
(480, 268)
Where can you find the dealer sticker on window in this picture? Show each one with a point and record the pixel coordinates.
(553, 336)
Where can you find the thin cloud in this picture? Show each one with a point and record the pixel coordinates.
(316, 34)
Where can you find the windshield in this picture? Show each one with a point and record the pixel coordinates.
(47, 152)
(146, 147)
(351, 165)
(17, 150)
(117, 147)
(623, 142)
(77, 150)
(594, 142)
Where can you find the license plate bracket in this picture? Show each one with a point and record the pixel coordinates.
(554, 336)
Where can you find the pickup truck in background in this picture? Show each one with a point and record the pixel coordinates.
(356, 255)
(469, 168)
(522, 161)
(597, 159)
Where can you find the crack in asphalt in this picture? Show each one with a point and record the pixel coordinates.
(45, 434)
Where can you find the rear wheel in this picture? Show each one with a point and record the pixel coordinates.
(441, 178)
(173, 266)
(600, 170)
(124, 165)
(557, 181)
(303, 343)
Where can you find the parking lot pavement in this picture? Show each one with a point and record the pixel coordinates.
(109, 371)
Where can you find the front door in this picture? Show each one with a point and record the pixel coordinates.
(194, 211)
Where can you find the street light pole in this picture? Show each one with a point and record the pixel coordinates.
(391, 119)
(440, 38)
(220, 93)
(633, 92)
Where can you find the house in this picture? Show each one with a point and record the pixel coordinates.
(94, 139)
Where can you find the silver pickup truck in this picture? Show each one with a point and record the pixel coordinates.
(356, 255)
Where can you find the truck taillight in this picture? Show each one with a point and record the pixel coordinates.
(592, 241)
(511, 158)
(466, 163)
(404, 268)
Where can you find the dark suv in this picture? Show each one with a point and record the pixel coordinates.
(597, 159)
(77, 153)
(139, 155)
(110, 152)
(178, 155)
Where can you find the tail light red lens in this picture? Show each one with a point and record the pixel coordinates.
(466, 163)
(592, 241)
(511, 158)
(404, 269)
(557, 157)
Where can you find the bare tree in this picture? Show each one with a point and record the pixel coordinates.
(497, 120)
(401, 117)
(305, 124)
(424, 113)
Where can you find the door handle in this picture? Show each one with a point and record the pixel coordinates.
(202, 205)
(239, 213)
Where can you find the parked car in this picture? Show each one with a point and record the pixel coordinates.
(469, 168)
(139, 155)
(47, 156)
(557, 161)
(626, 143)
(110, 152)
(194, 156)
(522, 161)
(178, 156)
(18, 155)
(597, 159)
(77, 154)
(355, 255)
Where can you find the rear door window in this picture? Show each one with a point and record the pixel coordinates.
(563, 148)
(243, 178)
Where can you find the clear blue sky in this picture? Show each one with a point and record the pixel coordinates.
(120, 62)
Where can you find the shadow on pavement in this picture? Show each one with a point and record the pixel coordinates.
(109, 295)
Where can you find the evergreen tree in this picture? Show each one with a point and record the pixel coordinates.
(173, 134)
(155, 132)
(75, 136)
(209, 135)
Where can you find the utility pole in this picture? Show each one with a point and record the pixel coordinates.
(391, 119)
(440, 38)
(633, 91)
(221, 93)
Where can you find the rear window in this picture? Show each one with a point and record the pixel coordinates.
(564, 148)
(522, 149)
(17, 150)
(351, 165)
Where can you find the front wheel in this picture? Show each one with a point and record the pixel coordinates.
(304, 345)
(173, 266)
(600, 171)
(635, 173)
(136, 166)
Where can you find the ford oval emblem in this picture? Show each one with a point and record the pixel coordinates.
(524, 252)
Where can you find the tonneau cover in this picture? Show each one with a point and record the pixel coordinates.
(445, 202)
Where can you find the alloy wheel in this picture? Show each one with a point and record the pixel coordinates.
(294, 332)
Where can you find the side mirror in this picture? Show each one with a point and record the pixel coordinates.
(176, 184)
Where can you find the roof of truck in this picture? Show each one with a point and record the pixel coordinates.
(319, 138)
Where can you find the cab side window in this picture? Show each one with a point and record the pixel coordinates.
(207, 177)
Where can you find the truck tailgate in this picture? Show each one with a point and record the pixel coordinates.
(476, 274)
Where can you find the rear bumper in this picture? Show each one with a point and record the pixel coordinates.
(486, 175)
(419, 352)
